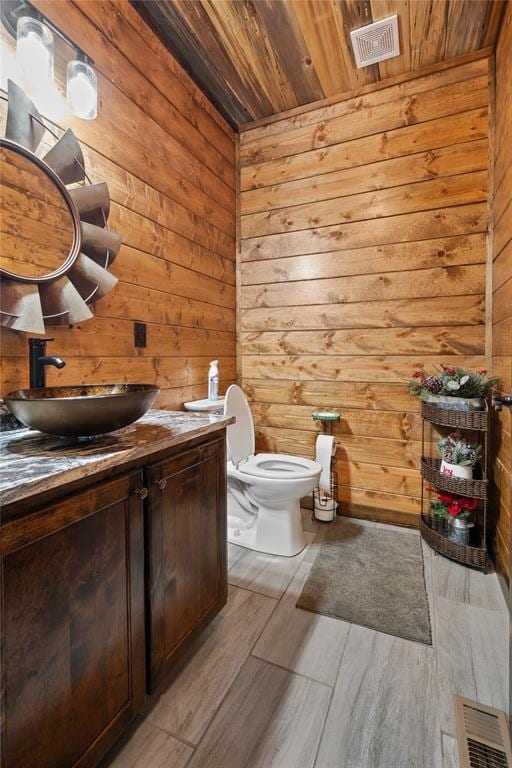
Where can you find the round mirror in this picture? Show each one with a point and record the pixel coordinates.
(39, 224)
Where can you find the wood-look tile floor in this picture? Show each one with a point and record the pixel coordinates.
(272, 686)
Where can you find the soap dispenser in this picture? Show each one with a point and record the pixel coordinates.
(213, 381)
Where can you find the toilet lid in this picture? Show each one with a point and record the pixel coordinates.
(240, 436)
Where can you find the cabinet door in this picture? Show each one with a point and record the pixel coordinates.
(73, 627)
(186, 527)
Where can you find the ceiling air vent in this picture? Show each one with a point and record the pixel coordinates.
(482, 735)
(376, 42)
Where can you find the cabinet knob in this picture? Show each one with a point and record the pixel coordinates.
(162, 484)
(142, 493)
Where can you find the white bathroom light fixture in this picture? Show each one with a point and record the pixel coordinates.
(82, 89)
(34, 50)
(376, 42)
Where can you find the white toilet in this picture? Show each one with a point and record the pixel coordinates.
(264, 491)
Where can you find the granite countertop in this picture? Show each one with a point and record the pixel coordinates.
(32, 462)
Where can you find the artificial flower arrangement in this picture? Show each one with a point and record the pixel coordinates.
(450, 505)
(457, 509)
(458, 456)
(453, 387)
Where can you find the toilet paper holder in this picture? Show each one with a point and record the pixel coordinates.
(326, 505)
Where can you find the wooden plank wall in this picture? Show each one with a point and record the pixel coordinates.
(363, 249)
(502, 294)
(169, 160)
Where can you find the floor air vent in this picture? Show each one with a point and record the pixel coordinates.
(482, 735)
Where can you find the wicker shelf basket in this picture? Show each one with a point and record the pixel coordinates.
(476, 557)
(435, 531)
(476, 489)
(447, 417)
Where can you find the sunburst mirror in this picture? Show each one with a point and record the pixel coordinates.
(56, 247)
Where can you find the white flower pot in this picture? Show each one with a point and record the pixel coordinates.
(456, 470)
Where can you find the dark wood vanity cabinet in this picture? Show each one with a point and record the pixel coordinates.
(104, 590)
(72, 626)
(185, 551)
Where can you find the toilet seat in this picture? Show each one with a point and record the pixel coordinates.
(241, 446)
(278, 466)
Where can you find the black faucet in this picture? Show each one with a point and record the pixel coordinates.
(38, 361)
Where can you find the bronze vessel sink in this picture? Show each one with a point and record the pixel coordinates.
(82, 410)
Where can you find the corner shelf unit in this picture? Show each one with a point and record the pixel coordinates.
(435, 532)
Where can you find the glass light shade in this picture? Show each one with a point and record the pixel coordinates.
(82, 90)
(34, 49)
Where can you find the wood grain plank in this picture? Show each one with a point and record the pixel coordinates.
(465, 27)
(431, 135)
(188, 705)
(427, 31)
(165, 372)
(306, 643)
(162, 275)
(395, 425)
(382, 506)
(279, 22)
(363, 121)
(347, 368)
(466, 340)
(326, 394)
(495, 12)
(448, 161)
(371, 96)
(459, 310)
(412, 284)
(113, 337)
(148, 305)
(278, 733)
(355, 448)
(384, 479)
(186, 41)
(320, 26)
(425, 254)
(459, 220)
(156, 237)
(376, 671)
(241, 36)
(463, 189)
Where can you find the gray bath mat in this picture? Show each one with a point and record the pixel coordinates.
(373, 577)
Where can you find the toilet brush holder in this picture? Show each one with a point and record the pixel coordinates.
(325, 504)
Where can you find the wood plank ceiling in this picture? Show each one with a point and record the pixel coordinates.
(256, 58)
